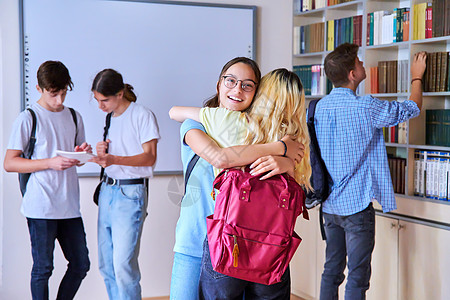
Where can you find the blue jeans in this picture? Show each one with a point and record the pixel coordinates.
(214, 285)
(352, 237)
(72, 239)
(121, 214)
(185, 277)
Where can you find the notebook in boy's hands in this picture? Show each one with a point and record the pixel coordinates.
(83, 156)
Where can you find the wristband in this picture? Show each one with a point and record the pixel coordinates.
(414, 79)
(285, 147)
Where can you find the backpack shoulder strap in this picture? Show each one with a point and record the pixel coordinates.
(75, 120)
(312, 110)
(189, 169)
(32, 135)
(105, 134)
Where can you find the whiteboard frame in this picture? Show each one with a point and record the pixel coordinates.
(253, 8)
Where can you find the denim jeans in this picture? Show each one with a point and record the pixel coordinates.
(72, 239)
(351, 237)
(121, 214)
(214, 285)
(185, 277)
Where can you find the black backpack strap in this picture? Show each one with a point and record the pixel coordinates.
(189, 169)
(311, 113)
(24, 177)
(105, 134)
(75, 120)
(321, 223)
(312, 110)
(32, 135)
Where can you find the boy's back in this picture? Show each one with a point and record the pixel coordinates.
(350, 136)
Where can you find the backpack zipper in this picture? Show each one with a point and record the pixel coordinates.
(235, 237)
(235, 252)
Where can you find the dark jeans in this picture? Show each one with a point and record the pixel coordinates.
(72, 239)
(352, 237)
(214, 285)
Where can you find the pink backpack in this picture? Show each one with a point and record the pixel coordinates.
(251, 234)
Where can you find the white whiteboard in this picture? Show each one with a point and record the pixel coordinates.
(170, 52)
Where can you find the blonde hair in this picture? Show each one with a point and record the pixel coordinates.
(279, 109)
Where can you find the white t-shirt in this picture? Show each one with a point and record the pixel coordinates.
(50, 194)
(127, 132)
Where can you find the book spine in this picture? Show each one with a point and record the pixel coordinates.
(416, 173)
(443, 71)
(406, 16)
(428, 21)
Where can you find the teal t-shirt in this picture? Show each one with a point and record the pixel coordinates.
(197, 203)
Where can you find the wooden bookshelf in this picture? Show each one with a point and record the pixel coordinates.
(394, 236)
(372, 55)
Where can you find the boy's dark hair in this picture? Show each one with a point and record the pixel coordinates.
(340, 62)
(214, 101)
(109, 82)
(54, 76)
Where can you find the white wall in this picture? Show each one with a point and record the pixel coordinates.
(273, 51)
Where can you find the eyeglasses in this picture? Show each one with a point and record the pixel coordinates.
(231, 82)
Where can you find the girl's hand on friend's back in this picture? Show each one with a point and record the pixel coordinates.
(295, 149)
(274, 165)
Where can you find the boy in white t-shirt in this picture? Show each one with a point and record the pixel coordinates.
(51, 202)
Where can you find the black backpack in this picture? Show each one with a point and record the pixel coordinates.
(320, 178)
(24, 177)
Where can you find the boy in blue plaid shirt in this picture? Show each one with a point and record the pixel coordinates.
(350, 135)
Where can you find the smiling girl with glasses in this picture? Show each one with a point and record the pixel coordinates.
(234, 99)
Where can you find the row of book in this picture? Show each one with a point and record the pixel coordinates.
(389, 77)
(431, 19)
(305, 5)
(386, 27)
(437, 73)
(309, 38)
(345, 30)
(432, 174)
(313, 79)
(397, 166)
(395, 134)
(437, 127)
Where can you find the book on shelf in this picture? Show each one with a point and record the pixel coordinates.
(313, 79)
(345, 30)
(309, 38)
(396, 134)
(432, 174)
(428, 20)
(330, 35)
(305, 5)
(406, 16)
(397, 167)
(436, 77)
(437, 127)
(386, 27)
(389, 77)
(431, 19)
